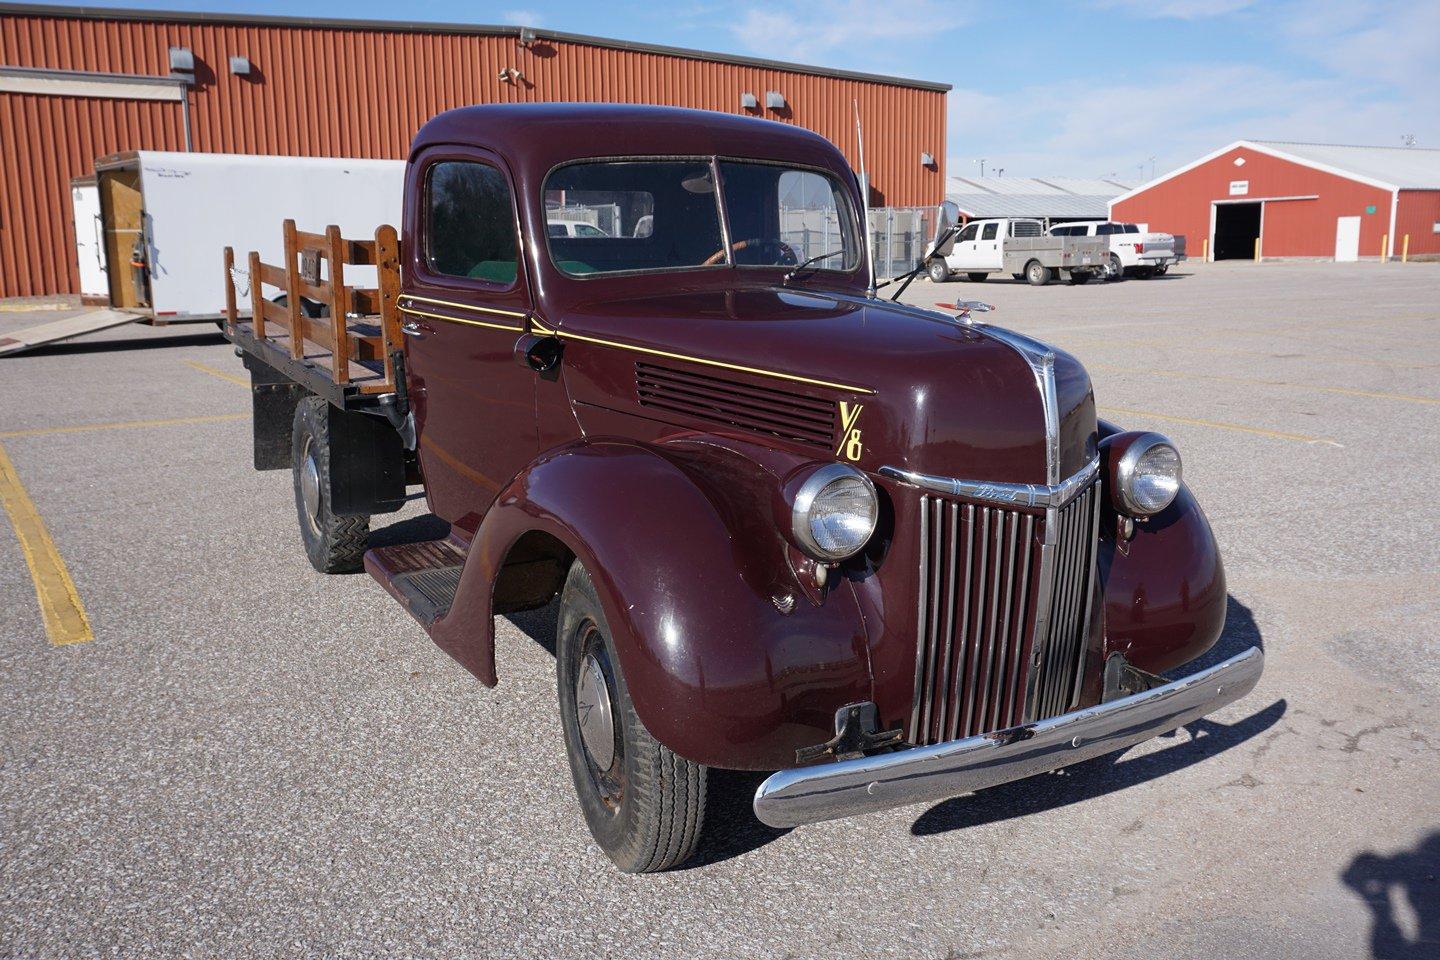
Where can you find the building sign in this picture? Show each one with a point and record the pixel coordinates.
(1239, 188)
(1370, 209)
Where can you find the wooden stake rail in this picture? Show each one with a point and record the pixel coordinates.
(335, 338)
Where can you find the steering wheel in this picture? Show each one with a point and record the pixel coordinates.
(780, 253)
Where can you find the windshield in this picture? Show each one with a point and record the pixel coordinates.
(629, 216)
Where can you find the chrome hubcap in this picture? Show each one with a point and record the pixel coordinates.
(597, 720)
(310, 485)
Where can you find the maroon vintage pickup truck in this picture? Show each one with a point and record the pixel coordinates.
(886, 551)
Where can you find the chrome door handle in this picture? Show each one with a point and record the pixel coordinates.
(414, 328)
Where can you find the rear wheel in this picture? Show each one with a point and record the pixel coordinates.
(937, 271)
(1144, 273)
(1115, 270)
(976, 277)
(1078, 277)
(1037, 274)
(334, 544)
(644, 805)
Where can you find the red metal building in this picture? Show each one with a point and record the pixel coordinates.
(78, 83)
(1275, 199)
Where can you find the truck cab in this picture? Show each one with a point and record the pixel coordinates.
(888, 553)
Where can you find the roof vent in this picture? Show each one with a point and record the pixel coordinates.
(774, 100)
(748, 101)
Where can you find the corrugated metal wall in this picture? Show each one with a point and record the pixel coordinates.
(364, 92)
(1291, 228)
(1417, 214)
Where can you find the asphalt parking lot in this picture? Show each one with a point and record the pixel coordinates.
(249, 758)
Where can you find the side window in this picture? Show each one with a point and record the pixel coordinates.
(1131, 228)
(1024, 228)
(989, 232)
(968, 233)
(1105, 230)
(1065, 232)
(469, 222)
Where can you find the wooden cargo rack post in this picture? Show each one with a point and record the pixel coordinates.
(365, 320)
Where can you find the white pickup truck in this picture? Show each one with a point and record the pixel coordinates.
(1019, 247)
(1132, 250)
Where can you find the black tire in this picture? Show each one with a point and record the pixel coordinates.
(334, 544)
(1161, 270)
(976, 277)
(1037, 274)
(1144, 273)
(937, 271)
(1116, 270)
(647, 807)
(1078, 277)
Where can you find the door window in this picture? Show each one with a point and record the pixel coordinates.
(470, 222)
(989, 232)
(968, 233)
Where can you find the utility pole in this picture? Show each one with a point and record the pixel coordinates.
(1152, 168)
(981, 161)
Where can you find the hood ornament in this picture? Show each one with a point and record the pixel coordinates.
(963, 309)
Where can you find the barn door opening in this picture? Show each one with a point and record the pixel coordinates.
(1237, 227)
(1347, 239)
(122, 209)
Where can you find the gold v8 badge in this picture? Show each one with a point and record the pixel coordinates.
(850, 446)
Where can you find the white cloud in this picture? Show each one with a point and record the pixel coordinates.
(807, 32)
(1198, 108)
(521, 18)
(1175, 9)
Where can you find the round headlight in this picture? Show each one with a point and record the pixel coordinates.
(1148, 475)
(834, 512)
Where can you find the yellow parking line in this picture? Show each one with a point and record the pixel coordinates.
(123, 425)
(217, 373)
(1221, 425)
(60, 606)
(1344, 391)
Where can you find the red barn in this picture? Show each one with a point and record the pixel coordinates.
(1273, 199)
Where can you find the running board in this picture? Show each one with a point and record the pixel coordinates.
(422, 576)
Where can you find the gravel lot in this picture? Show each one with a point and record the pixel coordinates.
(253, 759)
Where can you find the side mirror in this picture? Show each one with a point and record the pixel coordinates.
(946, 218)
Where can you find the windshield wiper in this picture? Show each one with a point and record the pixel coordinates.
(802, 265)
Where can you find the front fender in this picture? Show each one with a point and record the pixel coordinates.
(688, 569)
(1164, 589)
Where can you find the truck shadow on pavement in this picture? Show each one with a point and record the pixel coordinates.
(1109, 774)
(1408, 877)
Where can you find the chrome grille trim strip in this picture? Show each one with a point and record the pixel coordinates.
(1019, 494)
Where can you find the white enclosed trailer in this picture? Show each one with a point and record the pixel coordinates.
(151, 232)
(167, 218)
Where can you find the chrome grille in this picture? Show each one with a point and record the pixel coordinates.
(1054, 685)
(987, 576)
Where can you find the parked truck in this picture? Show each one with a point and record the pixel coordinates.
(1018, 247)
(890, 553)
(1132, 251)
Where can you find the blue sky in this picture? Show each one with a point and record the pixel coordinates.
(1077, 88)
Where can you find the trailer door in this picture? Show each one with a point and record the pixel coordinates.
(122, 209)
(89, 239)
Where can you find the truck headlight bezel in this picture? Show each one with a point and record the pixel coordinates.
(1147, 475)
(815, 500)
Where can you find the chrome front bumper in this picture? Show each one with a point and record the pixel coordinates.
(927, 774)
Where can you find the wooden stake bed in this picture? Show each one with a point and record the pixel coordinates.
(364, 320)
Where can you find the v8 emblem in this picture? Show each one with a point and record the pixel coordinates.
(850, 446)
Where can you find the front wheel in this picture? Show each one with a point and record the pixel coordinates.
(1037, 274)
(937, 271)
(644, 805)
(334, 544)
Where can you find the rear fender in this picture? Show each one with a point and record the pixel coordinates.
(692, 575)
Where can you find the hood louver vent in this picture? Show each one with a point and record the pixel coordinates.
(778, 413)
